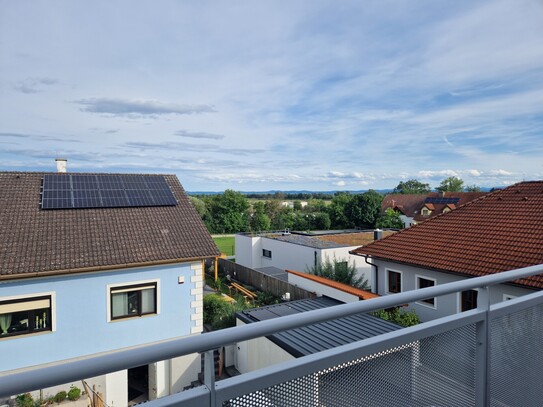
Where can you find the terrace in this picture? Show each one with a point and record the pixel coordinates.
(489, 356)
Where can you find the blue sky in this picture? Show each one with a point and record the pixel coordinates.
(261, 95)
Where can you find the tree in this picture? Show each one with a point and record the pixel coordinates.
(391, 219)
(451, 184)
(321, 221)
(199, 205)
(472, 188)
(341, 271)
(336, 210)
(259, 219)
(363, 210)
(412, 186)
(229, 212)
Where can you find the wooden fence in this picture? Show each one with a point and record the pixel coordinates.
(261, 281)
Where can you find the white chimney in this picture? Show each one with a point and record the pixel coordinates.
(61, 164)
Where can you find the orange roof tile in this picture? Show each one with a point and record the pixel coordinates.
(362, 294)
(498, 232)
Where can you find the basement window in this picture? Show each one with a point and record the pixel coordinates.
(25, 316)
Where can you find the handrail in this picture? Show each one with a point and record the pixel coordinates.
(74, 370)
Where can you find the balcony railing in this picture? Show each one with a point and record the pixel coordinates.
(489, 356)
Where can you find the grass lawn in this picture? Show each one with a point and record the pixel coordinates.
(225, 244)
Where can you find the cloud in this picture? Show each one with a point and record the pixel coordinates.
(193, 147)
(199, 135)
(33, 85)
(137, 108)
(438, 174)
(474, 173)
(340, 183)
(500, 173)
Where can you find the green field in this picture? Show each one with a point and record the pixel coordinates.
(226, 244)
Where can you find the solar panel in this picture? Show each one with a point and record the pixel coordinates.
(67, 191)
(441, 200)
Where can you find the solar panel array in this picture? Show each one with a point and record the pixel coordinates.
(69, 191)
(441, 200)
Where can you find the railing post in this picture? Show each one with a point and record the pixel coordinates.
(209, 375)
(482, 352)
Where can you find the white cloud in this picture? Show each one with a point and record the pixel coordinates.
(474, 173)
(139, 107)
(340, 183)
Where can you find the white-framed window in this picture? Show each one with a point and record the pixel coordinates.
(267, 253)
(424, 282)
(507, 297)
(394, 281)
(425, 211)
(135, 299)
(29, 314)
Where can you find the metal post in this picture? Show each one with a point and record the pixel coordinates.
(482, 352)
(209, 376)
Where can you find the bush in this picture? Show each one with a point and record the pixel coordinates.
(213, 305)
(399, 316)
(226, 317)
(24, 400)
(74, 393)
(267, 298)
(60, 397)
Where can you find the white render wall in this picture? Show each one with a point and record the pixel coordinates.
(445, 305)
(321, 289)
(248, 251)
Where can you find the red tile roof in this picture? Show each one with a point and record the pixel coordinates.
(40, 242)
(407, 204)
(498, 232)
(362, 294)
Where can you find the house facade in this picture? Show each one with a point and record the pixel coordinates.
(498, 232)
(80, 277)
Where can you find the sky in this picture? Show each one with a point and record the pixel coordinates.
(275, 95)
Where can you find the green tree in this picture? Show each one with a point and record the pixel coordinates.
(199, 205)
(336, 210)
(363, 210)
(341, 271)
(259, 219)
(391, 219)
(412, 186)
(451, 184)
(229, 212)
(321, 221)
(472, 188)
(297, 205)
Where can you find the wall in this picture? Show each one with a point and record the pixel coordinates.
(184, 371)
(321, 289)
(81, 316)
(445, 305)
(257, 353)
(248, 250)
(342, 253)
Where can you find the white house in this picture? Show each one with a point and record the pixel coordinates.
(301, 251)
(94, 263)
(498, 232)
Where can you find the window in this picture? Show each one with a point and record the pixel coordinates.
(424, 283)
(394, 281)
(25, 316)
(425, 211)
(266, 253)
(133, 301)
(468, 300)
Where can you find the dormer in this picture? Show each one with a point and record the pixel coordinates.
(427, 209)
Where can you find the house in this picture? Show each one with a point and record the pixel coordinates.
(94, 263)
(416, 208)
(498, 232)
(301, 251)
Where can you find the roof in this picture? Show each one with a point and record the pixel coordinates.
(326, 241)
(353, 239)
(40, 242)
(407, 204)
(318, 337)
(362, 294)
(303, 240)
(498, 232)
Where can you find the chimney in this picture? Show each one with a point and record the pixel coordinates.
(377, 234)
(61, 164)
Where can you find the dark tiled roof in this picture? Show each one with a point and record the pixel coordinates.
(35, 241)
(498, 232)
(318, 337)
(407, 204)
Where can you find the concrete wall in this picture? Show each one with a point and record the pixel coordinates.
(184, 371)
(248, 250)
(321, 289)
(257, 353)
(444, 305)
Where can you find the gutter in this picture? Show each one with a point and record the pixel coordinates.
(100, 268)
(371, 264)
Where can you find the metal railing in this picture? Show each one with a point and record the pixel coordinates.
(459, 357)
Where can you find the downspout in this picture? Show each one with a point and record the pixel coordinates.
(376, 273)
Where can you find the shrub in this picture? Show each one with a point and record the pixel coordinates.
(213, 305)
(60, 397)
(267, 298)
(24, 400)
(74, 393)
(226, 317)
(399, 316)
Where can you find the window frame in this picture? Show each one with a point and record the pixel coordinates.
(265, 252)
(32, 330)
(387, 285)
(425, 302)
(461, 301)
(129, 287)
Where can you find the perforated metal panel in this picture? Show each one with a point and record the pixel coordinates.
(435, 371)
(516, 363)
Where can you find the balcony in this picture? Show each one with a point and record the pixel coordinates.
(489, 356)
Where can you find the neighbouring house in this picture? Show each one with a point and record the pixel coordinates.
(94, 263)
(416, 208)
(498, 232)
(290, 204)
(302, 251)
